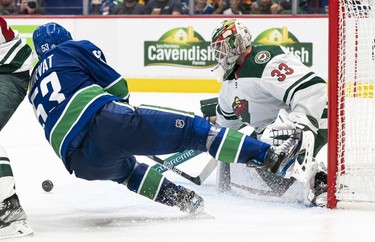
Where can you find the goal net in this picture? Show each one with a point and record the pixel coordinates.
(351, 145)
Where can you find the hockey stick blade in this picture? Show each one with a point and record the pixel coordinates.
(276, 183)
(198, 180)
(257, 191)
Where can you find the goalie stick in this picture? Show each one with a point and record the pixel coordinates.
(301, 170)
(274, 192)
(198, 180)
(257, 191)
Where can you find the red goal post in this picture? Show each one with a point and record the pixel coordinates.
(351, 112)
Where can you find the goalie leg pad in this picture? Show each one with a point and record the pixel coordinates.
(302, 170)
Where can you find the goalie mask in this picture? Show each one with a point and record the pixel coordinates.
(48, 36)
(228, 41)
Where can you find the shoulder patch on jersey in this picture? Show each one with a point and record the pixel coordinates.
(262, 57)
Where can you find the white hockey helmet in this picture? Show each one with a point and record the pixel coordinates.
(228, 41)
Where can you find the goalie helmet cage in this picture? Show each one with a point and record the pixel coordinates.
(351, 112)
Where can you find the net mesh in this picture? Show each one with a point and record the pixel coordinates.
(356, 108)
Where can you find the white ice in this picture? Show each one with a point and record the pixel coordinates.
(79, 210)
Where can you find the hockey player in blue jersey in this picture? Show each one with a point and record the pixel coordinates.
(83, 106)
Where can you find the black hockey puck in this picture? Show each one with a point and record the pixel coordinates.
(47, 185)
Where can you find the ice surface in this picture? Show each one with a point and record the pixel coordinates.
(78, 210)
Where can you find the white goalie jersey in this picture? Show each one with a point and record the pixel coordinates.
(271, 78)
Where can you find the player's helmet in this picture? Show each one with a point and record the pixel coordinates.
(229, 40)
(48, 36)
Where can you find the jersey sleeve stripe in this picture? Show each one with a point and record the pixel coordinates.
(167, 110)
(19, 59)
(227, 116)
(314, 81)
(118, 88)
(295, 84)
(71, 115)
(10, 52)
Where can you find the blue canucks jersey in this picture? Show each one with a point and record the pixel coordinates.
(68, 86)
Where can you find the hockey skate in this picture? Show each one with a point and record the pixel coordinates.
(185, 199)
(316, 186)
(13, 222)
(320, 189)
(279, 158)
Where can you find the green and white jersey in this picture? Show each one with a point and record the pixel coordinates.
(271, 78)
(16, 56)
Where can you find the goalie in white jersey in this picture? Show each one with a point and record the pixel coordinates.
(270, 89)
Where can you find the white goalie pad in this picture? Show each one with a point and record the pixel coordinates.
(251, 183)
(303, 168)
